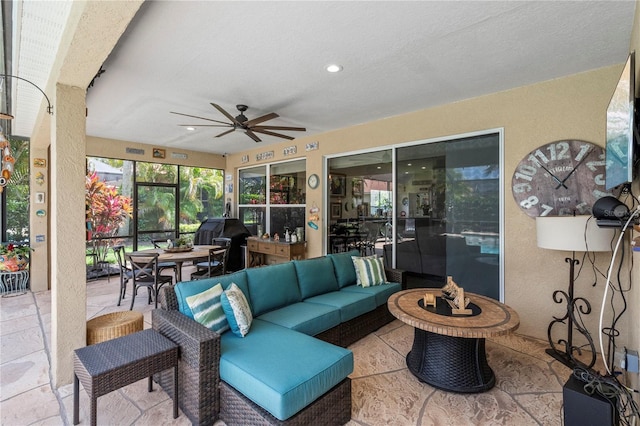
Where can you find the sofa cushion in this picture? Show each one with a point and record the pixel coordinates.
(282, 370)
(343, 267)
(350, 304)
(307, 318)
(315, 276)
(207, 309)
(189, 288)
(380, 292)
(272, 287)
(369, 270)
(237, 310)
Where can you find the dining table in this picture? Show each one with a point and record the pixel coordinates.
(180, 255)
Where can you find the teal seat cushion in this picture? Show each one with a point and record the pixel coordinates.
(380, 292)
(315, 276)
(185, 289)
(351, 304)
(307, 318)
(281, 370)
(272, 287)
(343, 266)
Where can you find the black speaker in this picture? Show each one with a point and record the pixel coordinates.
(610, 208)
(582, 409)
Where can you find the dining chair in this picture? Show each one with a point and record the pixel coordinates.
(125, 271)
(164, 265)
(145, 273)
(216, 263)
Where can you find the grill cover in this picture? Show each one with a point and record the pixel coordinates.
(224, 227)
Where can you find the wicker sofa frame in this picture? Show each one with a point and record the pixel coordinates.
(204, 398)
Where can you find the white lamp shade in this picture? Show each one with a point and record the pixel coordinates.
(573, 233)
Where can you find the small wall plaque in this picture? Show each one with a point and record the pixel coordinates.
(39, 162)
(290, 150)
(179, 155)
(264, 156)
(136, 151)
(245, 159)
(312, 146)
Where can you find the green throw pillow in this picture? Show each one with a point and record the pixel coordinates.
(207, 309)
(237, 309)
(369, 270)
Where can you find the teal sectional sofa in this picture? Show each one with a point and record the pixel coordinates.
(292, 366)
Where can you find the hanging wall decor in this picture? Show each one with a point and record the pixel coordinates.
(7, 161)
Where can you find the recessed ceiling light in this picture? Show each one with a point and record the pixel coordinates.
(334, 68)
(423, 167)
(191, 129)
(409, 164)
(379, 167)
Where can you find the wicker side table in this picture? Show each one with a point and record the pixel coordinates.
(110, 365)
(115, 324)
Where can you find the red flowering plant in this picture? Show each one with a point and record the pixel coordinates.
(14, 257)
(106, 212)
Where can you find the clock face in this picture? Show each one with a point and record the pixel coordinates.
(560, 178)
(313, 181)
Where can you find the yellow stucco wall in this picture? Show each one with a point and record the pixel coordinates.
(568, 108)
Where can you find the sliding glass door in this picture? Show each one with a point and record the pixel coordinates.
(430, 208)
(448, 217)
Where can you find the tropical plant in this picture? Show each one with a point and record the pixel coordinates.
(17, 193)
(106, 212)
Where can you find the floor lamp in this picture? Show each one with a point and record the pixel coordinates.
(574, 234)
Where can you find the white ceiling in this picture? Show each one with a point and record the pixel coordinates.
(398, 57)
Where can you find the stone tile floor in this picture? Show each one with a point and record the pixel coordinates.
(528, 389)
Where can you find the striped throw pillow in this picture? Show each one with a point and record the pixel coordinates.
(207, 309)
(369, 270)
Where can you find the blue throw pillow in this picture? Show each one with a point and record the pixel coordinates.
(237, 310)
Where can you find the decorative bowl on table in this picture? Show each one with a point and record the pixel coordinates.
(181, 249)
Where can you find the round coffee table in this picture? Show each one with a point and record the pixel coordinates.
(449, 351)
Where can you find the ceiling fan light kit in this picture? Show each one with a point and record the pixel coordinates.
(241, 123)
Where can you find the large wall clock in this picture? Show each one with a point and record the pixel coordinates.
(560, 178)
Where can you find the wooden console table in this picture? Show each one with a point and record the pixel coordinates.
(258, 249)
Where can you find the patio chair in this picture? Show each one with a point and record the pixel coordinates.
(125, 271)
(145, 273)
(164, 265)
(216, 264)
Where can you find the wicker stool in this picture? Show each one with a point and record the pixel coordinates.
(115, 324)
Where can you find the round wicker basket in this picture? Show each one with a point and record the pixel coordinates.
(115, 324)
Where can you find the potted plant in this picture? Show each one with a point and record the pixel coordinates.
(106, 212)
(14, 257)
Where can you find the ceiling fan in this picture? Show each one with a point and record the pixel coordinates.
(242, 123)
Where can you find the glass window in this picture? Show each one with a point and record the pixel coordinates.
(156, 173)
(201, 196)
(279, 206)
(16, 194)
(253, 185)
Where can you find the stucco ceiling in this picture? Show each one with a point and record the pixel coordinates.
(397, 57)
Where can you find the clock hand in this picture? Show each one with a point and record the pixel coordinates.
(554, 177)
(572, 171)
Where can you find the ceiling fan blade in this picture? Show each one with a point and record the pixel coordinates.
(225, 133)
(195, 116)
(206, 125)
(298, 129)
(266, 132)
(260, 119)
(253, 135)
(226, 114)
